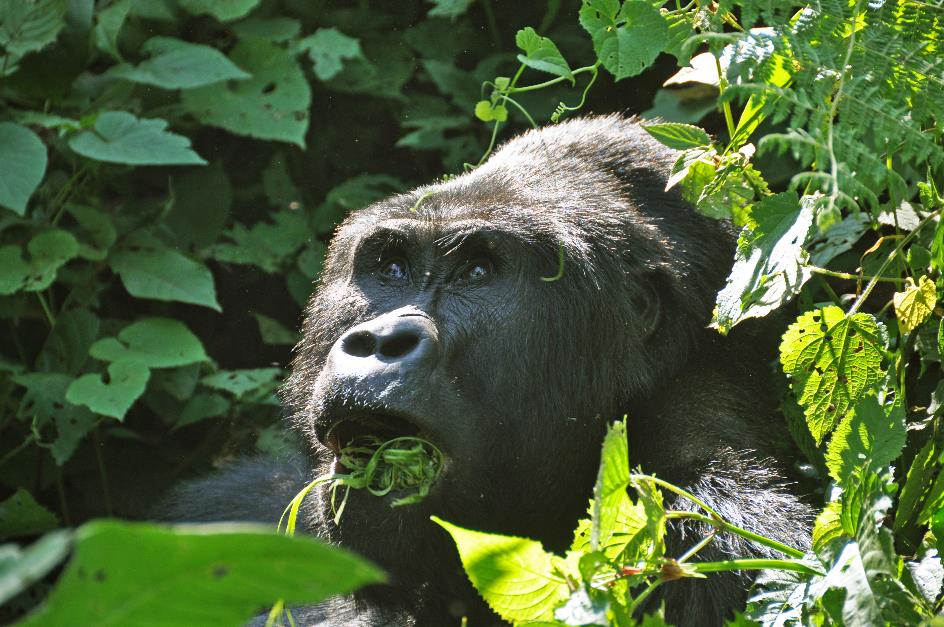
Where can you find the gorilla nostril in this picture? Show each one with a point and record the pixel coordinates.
(399, 345)
(359, 344)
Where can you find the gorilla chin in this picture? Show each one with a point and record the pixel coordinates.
(445, 313)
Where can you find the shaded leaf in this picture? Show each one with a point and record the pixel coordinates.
(48, 251)
(152, 342)
(240, 382)
(45, 404)
(126, 382)
(328, 48)
(22, 163)
(223, 10)
(150, 270)
(21, 515)
(119, 137)
(176, 64)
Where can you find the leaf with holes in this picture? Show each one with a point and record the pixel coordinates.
(119, 137)
(540, 53)
(870, 434)
(915, 305)
(45, 404)
(240, 382)
(833, 360)
(328, 48)
(273, 104)
(127, 380)
(627, 40)
(153, 342)
(48, 251)
(23, 163)
(177, 64)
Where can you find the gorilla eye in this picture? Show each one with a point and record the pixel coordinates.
(394, 269)
(477, 270)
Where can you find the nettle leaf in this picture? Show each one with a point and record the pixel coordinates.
(45, 404)
(119, 137)
(148, 269)
(609, 491)
(21, 568)
(129, 573)
(21, 515)
(915, 305)
(48, 251)
(328, 48)
(273, 104)
(515, 576)
(828, 526)
(152, 342)
(29, 26)
(449, 8)
(126, 382)
(770, 262)
(833, 360)
(869, 434)
(679, 136)
(240, 382)
(223, 10)
(23, 163)
(627, 40)
(177, 64)
(540, 53)
(268, 245)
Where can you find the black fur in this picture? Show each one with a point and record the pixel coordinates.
(515, 378)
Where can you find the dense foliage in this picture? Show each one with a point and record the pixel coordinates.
(153, 183)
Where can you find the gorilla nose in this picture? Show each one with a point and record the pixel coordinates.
(394, 338)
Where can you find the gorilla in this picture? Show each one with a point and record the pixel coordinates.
(439, 314)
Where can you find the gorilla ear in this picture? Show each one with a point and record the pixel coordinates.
(647, 305)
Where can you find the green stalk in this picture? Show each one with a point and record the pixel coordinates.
(753, 564)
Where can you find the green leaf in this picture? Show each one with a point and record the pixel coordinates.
(273, 104)
(119, 137)
(626, 42)
(152, 342)
(202, 200)
(268, 245)
(212, 575)
(915, 305)
(127, 380)
(828, 526)
(487, 112)
(671, 105)
(22, 165)
(21, 515)
(870, 434)
(150, 270)
(269, 28)
(609, 491)
(833, 360)
(223, 10)
(21, 568)
(29, 26)
(240, 382)
(108, 24)
(200, 407)
(515, 576)
(328, 48)
(66, 347)
(96, 231)
(540, 53)
(679, 136)
(273, 332)
(48, 251)
(449, 8)
(46, 405)
(770, 262)
(176, 64)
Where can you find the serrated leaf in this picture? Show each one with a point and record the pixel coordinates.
(127, 380)
(30, 26)
(770, 262)
(679, 136)
(268, 245)
(833, 360)
(609, 491)
(540, 53)
(870, 434)
(211, 575)
(828, 526)
(177, 64)
(915, 305)
(240, 382)
(22, 165)
(273, 104)
(21, 515)
(45, 404)
(119, 137)
(151, 270)
(223, 10)
(153, 342)
(21, 568)
(328, 48)
(626, 42)
(515, 576)
(48, 251)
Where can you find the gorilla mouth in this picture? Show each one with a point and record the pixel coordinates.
(382, 426)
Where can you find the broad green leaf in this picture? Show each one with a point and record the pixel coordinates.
(770, 262)
(22, 165)
(515, 576)
(48, 251)
(273, 104)
(21, 515)
(268, 245)
(108, 24)
(328, 48)
(626, 42)
(176, 64)
(45, 404)
(154, 271)
(119, 137)
(152, 342)
(833, 360)
(679, 136)
(828, 526)
(609, 491)
(449, 8)
(96, 232)
(200, 407)
(21, 568)
(277, 182)
(212, 575)
(540, 53)
(126, 382)
(223, 10)
(921, 475)
(240, 382)
(488, 112)
(915, 305)
(354, 193)
(870, 434)
(269, 28)
(274, 332)
(28, 26)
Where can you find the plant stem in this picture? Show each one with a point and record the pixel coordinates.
(98, 444)
(725, 106)
(698, 547)
(753, 564)
(50, 318)
(852, 277)
(553, 81)
(719, 523)
(638, 601)
(19, 447)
